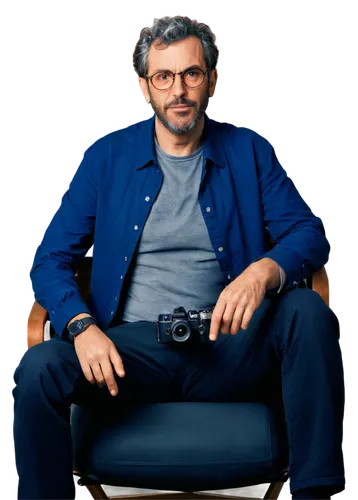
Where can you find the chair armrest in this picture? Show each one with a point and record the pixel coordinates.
(36, 325)
(320, 284)
(38, 315)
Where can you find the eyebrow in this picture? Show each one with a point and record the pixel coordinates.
(195, 66)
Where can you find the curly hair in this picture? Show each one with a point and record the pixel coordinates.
(168, 29)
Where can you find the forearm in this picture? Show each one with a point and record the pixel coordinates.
(56, 291)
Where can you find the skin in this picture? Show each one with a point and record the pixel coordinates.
(178, 132)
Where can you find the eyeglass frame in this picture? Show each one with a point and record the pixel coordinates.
(181, 73)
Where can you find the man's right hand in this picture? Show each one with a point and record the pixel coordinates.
(96, 353)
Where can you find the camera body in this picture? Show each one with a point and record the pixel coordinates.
(180, 326)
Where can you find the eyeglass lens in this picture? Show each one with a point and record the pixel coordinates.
(164, 79)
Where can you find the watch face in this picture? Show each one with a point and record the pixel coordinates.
(76, 327)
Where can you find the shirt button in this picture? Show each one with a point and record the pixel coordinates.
(121, 277)
(208, 209)
(116, 297)
(228, 276)
(220, 249)
(147, 198)
(125, 258)
(136, 227)
(303, 265)
(112, 312)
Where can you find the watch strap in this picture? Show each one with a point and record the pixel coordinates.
(86, 321)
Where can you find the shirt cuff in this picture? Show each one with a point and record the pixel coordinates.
(282, 279)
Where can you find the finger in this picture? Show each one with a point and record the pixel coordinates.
(236, 322)
(116, 361)
(97, 372)
(216, 319)
(109, 377)
(227, 318)
(87, 372)
(247, 317)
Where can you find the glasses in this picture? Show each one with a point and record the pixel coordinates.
(163, 80)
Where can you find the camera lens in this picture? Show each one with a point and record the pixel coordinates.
(181, 331)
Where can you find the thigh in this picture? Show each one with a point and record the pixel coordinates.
(53, 366)
(150, 367)
(241, 367)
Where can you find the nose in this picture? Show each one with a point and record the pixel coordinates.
(178, 88)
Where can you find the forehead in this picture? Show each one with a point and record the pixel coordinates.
(177, 56)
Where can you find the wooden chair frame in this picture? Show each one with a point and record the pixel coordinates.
(35, 334)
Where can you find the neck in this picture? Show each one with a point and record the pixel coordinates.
(179, 145)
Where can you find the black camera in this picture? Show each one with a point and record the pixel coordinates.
(183, 327)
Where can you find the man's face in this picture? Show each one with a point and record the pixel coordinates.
(176, 57)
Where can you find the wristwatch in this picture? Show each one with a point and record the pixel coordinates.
(78, 326)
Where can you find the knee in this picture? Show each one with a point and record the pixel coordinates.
(35, 362)
(309, 309)
(305, 301)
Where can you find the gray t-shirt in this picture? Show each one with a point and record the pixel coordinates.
(175, 264)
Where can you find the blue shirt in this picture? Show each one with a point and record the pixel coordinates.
(110, 198)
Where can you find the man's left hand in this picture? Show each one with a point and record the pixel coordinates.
(238, 301)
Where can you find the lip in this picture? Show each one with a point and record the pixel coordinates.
(180, 107)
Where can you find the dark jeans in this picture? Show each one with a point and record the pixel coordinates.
(290, 354)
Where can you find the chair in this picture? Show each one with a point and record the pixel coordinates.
(157, 446)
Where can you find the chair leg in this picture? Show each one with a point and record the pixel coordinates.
(97, 491)
(269, 491)
(276, 491)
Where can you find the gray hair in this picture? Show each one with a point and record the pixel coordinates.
(168, 30)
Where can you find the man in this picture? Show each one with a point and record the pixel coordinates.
(176, 207)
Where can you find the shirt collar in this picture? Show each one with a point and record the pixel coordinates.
(213, 147)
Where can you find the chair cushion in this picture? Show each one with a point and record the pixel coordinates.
(181, 446)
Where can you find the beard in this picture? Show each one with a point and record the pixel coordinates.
(191, 124)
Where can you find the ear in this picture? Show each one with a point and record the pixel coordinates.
(144, 86)
(213, 80)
